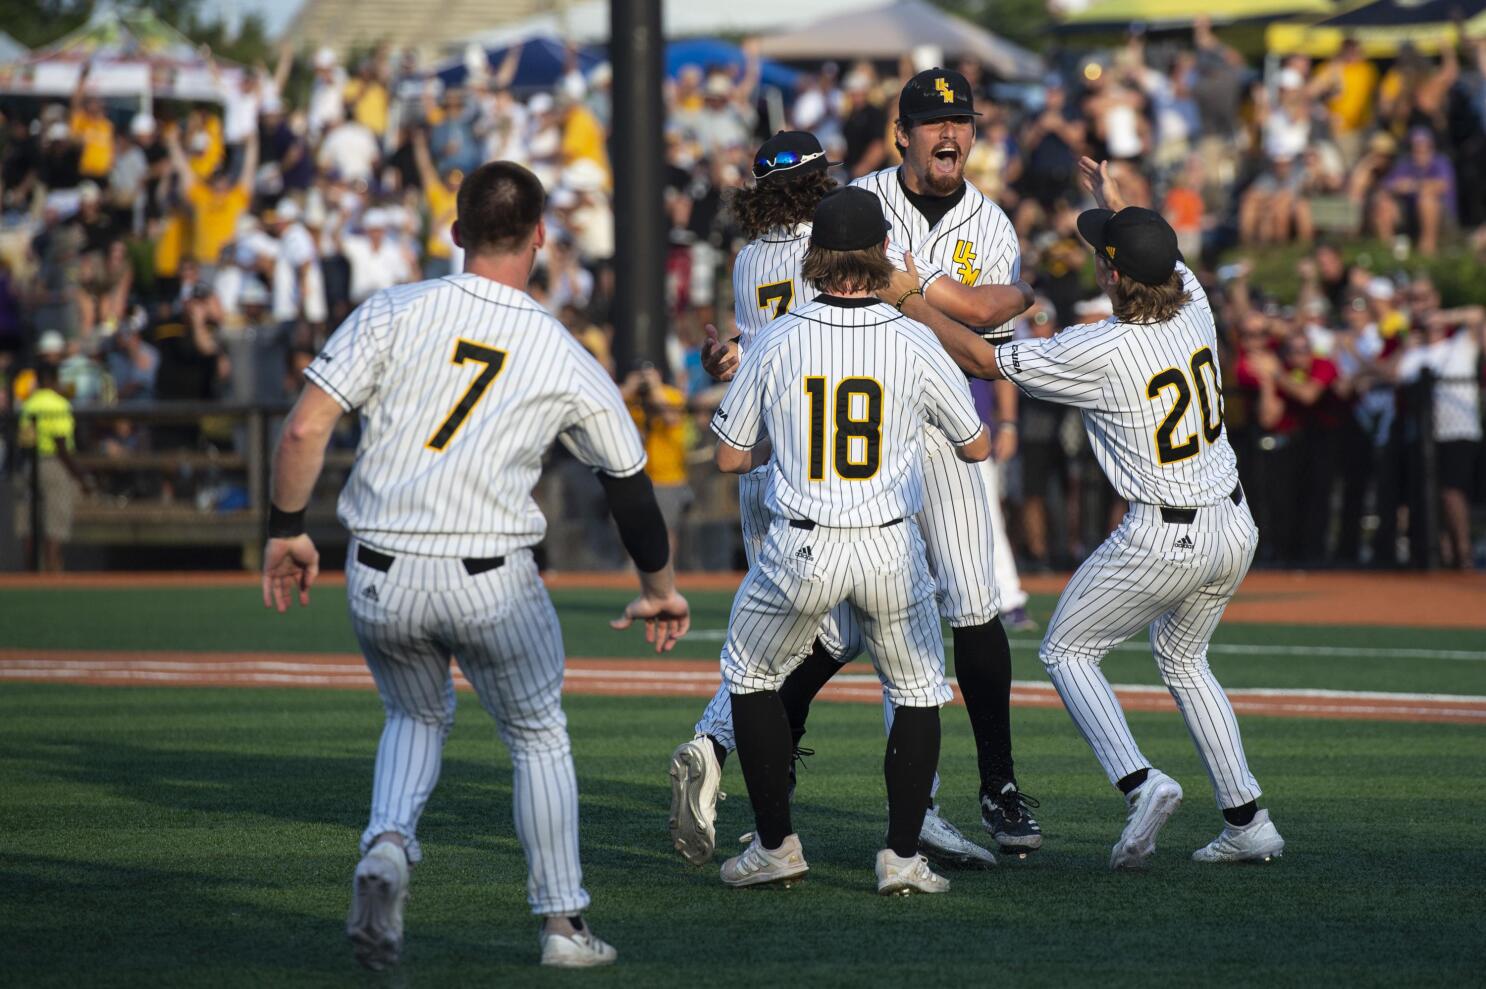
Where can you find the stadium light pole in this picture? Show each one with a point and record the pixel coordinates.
(636, 45)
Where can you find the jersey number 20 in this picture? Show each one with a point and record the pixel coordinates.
(858, 433)
(468, 351)
(1203, 368)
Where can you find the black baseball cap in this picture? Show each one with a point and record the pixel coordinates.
(788, 153)
(1137, 242)
(849, 219)
(934, 94)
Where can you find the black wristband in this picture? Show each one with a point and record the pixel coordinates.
(285, 525)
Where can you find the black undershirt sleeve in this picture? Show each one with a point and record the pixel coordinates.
(641, 527)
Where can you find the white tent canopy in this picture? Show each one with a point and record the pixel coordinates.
(888, 32)
(127, 54)
(11, 49)
(587, 22)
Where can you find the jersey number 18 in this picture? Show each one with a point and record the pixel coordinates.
(857, 439)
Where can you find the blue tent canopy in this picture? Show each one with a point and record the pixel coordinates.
(541, 66)
(543, 60)
(710, 52)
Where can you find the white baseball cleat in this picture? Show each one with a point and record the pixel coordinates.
(378, 892)
(581, 949)
(943, 842)
(695, 778)
(1257, 841)
(758, 866)
(899, 876)
(1151, 806)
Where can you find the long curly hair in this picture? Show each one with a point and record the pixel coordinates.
(782, 202)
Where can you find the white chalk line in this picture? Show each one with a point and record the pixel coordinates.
(1230, 649)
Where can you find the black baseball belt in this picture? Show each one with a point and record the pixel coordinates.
(807, 524)
(1186, 516)
(383, 561)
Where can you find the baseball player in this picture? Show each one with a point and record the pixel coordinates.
(840, 392)
(954, 230)
(790, 174)
(1148, 384)
(462, 384)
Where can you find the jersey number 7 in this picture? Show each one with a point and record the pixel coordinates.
(494, 361)
(858, 433)
(1203, 367)
(779, 294)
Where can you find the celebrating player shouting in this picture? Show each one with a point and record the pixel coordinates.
(842, 389)
(790, 178)
(1148, 383)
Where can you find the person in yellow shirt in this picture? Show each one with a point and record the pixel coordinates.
(47, 427)
(215, 204)
(659, 411)
(1348, 83)
(441, 194)
(94, 131)
(583, 138)
(366, 98)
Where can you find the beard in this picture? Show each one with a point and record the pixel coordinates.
(942, 176)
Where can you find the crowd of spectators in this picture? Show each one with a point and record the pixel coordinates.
(204, 253)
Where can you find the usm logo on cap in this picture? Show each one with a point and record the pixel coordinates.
(942, 88)
(1109, 249)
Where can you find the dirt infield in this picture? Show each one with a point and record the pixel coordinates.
(1443, 600)
(664, 678)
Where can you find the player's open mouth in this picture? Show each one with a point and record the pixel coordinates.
(946, 157)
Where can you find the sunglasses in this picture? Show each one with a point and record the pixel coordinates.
(783, 160)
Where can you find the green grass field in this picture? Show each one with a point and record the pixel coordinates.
(206, 837)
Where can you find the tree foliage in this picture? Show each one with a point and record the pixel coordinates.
(36, 23)
(1022, 21)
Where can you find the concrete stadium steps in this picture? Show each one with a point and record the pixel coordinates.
(431, 28)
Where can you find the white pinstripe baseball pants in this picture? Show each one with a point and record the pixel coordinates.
(801, 574)
(960, 526)
(502, 629)
(1177, 579)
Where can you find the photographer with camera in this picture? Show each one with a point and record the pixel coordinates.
(659, 411)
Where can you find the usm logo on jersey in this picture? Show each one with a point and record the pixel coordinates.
(964, 259)
(942, 88)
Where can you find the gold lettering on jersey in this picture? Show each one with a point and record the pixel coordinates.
(965, 260)
(945, 93)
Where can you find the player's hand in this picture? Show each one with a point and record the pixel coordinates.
(289, 565)
(719, 357)
(666, 618)
(1099, 184)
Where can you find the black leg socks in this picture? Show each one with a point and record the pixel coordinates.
(983, 669)
(912, 756)
(764, 752)
(803, 683)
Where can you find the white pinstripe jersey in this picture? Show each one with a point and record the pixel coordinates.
(463, 383)
(974, 242)
(767, 282)
(1151, 395)
(844, 388)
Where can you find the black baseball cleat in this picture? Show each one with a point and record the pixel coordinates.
(1004, 814)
